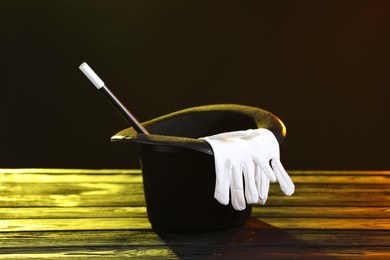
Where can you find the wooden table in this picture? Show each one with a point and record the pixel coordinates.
(76, 213)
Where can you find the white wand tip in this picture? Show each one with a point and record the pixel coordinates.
(91, 75)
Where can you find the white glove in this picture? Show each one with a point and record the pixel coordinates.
(247, 154)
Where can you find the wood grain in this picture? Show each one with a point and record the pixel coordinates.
(92, 214)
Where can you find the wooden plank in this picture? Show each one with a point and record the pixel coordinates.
(324, 212)
(196, 252)
(69, 178)
(71, 194)
(80, 189)
(73, 224)
(138, 171)
(275, 244)
(334, 179)
(328, 223)
(80, 238)
(102, 191)
(72, 212)
(137, 252)
(73, 200)
(139, 212)
(329, 200)
(7, 189)
(87, 188)
(59, 171)
(136, 178)
(137, 200)
(122, 195)
(239, 242)
(246, 235)
(9, 225)
(337, 172)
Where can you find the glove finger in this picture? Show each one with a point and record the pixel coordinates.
(222, 182)
(285, 182)
(264, 188)
(266, 168)
(251, 193)
(258, 178)
(237, 188)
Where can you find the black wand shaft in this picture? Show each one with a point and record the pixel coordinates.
(123, 110)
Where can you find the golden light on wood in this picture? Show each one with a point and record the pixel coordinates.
(53, 213)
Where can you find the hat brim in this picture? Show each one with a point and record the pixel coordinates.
(184, 128)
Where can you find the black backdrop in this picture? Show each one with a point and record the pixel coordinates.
(321, 66)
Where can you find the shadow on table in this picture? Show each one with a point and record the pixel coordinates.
(256, 239)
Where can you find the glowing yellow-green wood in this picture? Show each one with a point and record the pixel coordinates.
(92, 214)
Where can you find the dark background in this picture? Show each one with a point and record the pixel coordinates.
(321, 66)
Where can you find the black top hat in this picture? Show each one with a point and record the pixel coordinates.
(184, 127)
(178, 168)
